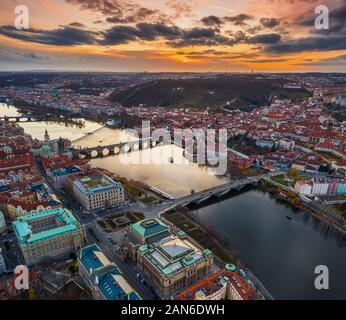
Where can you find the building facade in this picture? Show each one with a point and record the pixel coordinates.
(222, 285)
(2, 222)
(170, 261)
(2, 263)
(48, 234)
(103, 278)
(98, 192)
(328, 186)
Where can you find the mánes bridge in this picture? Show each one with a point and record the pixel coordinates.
(218, 191)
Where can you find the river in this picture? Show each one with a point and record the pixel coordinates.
(177, 178)
(282, 253)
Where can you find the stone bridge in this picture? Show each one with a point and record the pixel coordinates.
(24, 118)
(117, 148)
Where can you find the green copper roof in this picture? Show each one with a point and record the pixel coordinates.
(207, 252)
(149, 227)
(188, 261)
(65, 220)
(181, 234)
(143, 248)
(230, 267)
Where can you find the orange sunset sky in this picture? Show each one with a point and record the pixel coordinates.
(169, 35)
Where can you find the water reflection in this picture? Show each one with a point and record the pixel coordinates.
(282, 253)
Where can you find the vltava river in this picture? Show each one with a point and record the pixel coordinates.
(282, 253)
(176, 178)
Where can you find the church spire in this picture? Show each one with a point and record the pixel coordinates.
(46, 136)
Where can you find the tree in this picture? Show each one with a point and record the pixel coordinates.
(73, 256)
(293, 173)
(32, 294)
(291, 194)
(296, 202)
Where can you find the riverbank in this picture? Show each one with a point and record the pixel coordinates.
(292, 199)
(207, 237)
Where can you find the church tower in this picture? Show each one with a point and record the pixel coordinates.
(46, 136)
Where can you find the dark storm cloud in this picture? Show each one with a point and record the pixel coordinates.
(309, 44)
(201, 37)
(142, 31)
(141, 14)
(119, 35)
(269, 22)
(239, 20)
(77, 25)
(337, 22)
(212, 21)
(151, 31)
(64, 36)
(265, 38)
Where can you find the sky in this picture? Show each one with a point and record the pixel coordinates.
(173, 36)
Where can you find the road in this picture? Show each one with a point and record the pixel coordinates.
(109, 243)
(128, 269)
(88, 221)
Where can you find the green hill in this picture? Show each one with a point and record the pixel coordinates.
(202, 93)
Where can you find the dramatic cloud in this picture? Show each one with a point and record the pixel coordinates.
(239, 20)
(264, 32)
(64, 36)
(337, 21)
(142, 31)
(212, 21)
(269, 22)
(265, 38)
(309, 44)
(201, 37)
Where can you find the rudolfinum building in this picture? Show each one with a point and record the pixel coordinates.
(169, 261)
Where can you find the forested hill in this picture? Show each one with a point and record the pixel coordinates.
(203, 93)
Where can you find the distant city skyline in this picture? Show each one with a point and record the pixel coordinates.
(173, 36)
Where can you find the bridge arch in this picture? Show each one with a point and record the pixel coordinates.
(116, 150)
(94, 154)
(105, 152)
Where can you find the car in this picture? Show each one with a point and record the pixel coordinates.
(144, 282)
(242, 273)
